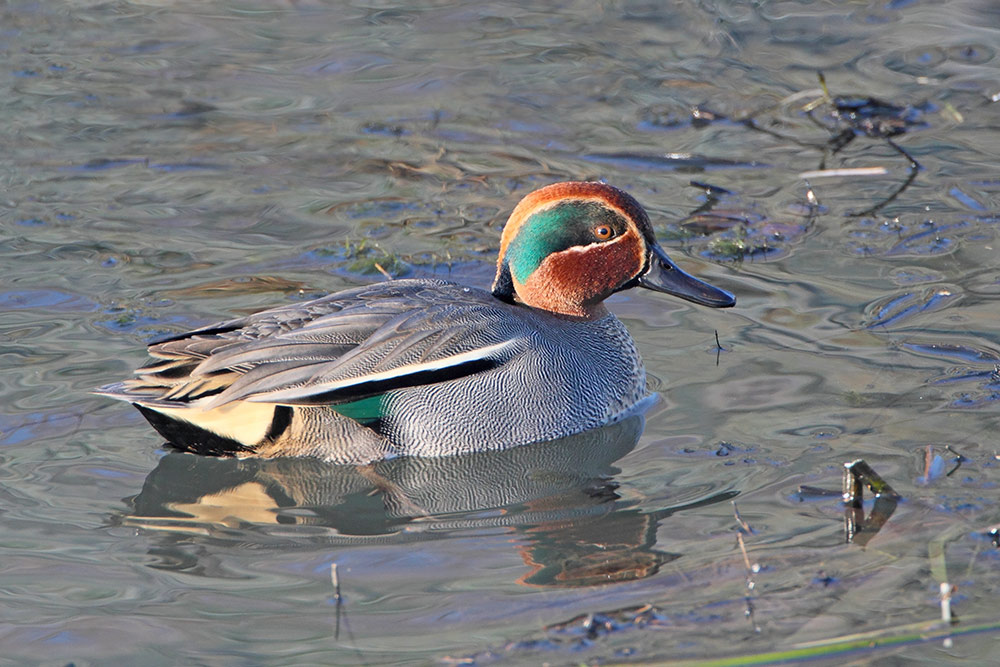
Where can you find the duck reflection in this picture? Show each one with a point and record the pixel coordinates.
(559, 498)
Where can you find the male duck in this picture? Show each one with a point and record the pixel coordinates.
(429, 367)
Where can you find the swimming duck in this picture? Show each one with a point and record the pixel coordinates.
(429, 367)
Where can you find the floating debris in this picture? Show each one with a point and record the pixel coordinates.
(365, 259)
(832, 173)
(858, 528)
(899, 308)
(734, 231)
(671, 161)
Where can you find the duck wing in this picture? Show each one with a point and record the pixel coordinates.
(341, 348)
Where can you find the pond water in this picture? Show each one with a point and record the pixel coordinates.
(167, 165)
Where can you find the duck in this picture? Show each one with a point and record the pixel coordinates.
(429, 367)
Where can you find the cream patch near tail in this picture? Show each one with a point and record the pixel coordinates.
(246, 423)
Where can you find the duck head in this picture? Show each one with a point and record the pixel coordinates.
(569, 246)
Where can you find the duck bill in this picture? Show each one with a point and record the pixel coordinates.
(665, 276)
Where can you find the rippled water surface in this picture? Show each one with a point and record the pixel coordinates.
(166, 165)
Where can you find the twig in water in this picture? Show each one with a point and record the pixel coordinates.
(859, 529)
(811, 197)
(915, 167)
(752, 569)
(743, 549)
(335, 580)
(928, 462)
(946, 591)
(946, 616)
(853, 171)
(740, 520)
(959, 460)
(712, 195)
(711, 190)
(342, 612)
(862, 474)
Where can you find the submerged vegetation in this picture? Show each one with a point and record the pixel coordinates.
(365, 258)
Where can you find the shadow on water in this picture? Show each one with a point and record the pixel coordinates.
(559, 499)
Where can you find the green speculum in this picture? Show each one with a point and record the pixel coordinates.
(365, 410)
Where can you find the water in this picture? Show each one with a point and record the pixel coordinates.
(170, 165)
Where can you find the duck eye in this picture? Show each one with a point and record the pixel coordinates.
(603, 232)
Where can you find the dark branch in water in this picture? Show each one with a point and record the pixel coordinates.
(959, 460)
(845, 118)
(857, 476)
(914, 168)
